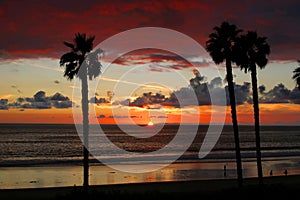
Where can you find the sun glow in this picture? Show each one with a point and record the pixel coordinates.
(150, 123)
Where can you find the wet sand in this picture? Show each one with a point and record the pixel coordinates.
(71, 175)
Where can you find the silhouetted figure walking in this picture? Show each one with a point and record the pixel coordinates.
(225, 171)
(285, 172)
(271, 172)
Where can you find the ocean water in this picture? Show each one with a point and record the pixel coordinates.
(36, 156)
(29, 144)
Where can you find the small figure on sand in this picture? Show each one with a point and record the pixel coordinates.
(225, 172)
(285, 172)
(271, 172)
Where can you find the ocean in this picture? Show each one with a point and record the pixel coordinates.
(24, 146)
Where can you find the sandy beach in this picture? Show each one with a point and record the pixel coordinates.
(71, 175)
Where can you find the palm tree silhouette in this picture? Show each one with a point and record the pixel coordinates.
(251, 51)
(296, 75)
(83, 63)
(219, 46)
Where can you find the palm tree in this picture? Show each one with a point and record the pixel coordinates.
(251, 51)
(296, 75)
(219, 46)
(83, 63)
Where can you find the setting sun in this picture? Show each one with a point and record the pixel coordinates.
(150, 123)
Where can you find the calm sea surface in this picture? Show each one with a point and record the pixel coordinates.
(22, 145)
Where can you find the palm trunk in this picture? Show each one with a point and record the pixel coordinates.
(256, 120)
(234, 122)
(85, 112)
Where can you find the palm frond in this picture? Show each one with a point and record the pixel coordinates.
(89, 43)
(251, 50)
(221, 41)
(69, 57)
(296, 76)
(71, 70)
(94, 69)
(296, 73)
(81, 57)
(94, 66)
(69, 45)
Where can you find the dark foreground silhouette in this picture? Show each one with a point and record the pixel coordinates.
(274, 187)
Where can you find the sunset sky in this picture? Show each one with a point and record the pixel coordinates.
(33, 89)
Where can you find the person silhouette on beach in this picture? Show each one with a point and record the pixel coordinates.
(225, 171)
(271, 172)
(285, 172)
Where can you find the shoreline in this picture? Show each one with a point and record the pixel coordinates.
(70, 175)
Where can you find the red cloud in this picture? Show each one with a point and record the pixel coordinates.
(154, 57)
(41, 27)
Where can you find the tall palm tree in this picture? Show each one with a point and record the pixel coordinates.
(251, 51)
(219, 46)
(83, 63)
(296, 75)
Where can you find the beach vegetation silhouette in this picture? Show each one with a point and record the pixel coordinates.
(82, 62)
(251, 52)
(220, 47)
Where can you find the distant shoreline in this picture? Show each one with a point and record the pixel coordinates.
(169, 124)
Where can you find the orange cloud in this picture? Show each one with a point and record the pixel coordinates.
(269, 114)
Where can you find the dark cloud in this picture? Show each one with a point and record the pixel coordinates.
(101, 116)
(204, 90)
(216, 82)
(159, 60)
(261, 89)
(20, 100)
(59, 97)
(62, 104)
(56, 82)
(41, 105)
(242, 93)
(148, 99)
(98, 100)
(40, 101)
(29, 99)
(40, 96)
(295, 96)
(3, 104)
(155, 58)
(280, 94)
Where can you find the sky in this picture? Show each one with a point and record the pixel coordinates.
(140, 86)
